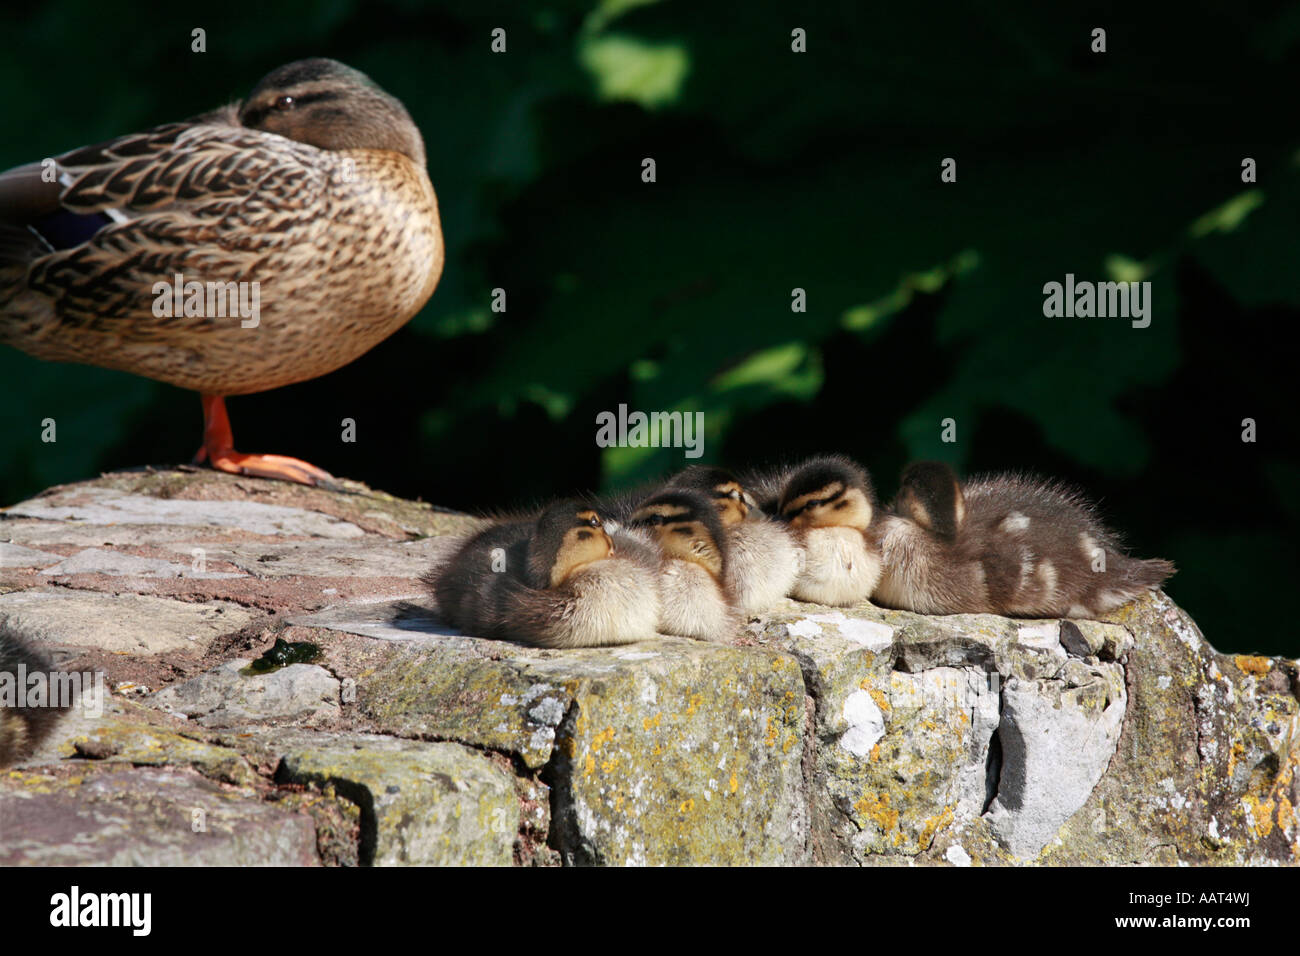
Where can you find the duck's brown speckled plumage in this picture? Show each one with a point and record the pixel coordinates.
(345, 246)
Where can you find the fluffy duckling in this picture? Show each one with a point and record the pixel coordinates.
(828, 503)
(22, 729)
(1004, 544)
(555, 582)
(694, 597)
(763, 560)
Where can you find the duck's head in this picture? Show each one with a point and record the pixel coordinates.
(569, 536)
(326, 104)
(687, 527)
(828, 492)
(719, 485)
(930, 494)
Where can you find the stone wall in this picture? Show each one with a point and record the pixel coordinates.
(856, 736)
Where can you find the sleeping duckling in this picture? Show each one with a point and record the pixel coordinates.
(1004, 544)
(22, 729)
(694, 599)
(762, 558)
(556, 582)
(828, 503)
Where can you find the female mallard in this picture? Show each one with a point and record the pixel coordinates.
(255, 246)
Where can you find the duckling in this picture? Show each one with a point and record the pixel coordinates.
(309, 201)
(1003, 544)
(554, 582)
(22, 729)
(694, 596)
(763, 560)
(828, 503)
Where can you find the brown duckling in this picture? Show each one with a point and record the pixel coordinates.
(763, 560)
(307, 206)
(554, 582)
(694, 598)
(22, 729)
(828, 502)
(1003, 544)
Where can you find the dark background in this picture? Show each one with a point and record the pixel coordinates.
(776, 170)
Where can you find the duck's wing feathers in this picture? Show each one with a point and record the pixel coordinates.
(143, 208)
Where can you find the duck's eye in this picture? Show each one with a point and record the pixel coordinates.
(285, 103)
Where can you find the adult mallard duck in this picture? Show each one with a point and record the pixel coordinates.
(261, 244)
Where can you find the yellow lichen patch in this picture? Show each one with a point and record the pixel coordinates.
(657, 750)
(590, 767)
(874, 755)
(1259, 666)
(733, 784)
(687, 806)
(602, 738)
(1259, 814)
(789, 742)
(879, 696)
(773, 732)
(936, 823)
(650, 723)
(696, 700)
(875, 807)
(607, 766)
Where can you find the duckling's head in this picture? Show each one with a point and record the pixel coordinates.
(326, 104)
(719, 485)
(828, 492)
(930, 494)
(569, 536)
(687, 526)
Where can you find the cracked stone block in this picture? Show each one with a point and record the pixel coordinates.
(106, 506)
(101, 561)
(425, 804)
(667, 751)
(120, 623)
(148, 816)
(17, 556)
(1056, 743)
(224, 696)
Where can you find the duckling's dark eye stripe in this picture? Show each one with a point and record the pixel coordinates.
(814, 503)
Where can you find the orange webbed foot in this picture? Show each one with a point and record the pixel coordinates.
(218, 450)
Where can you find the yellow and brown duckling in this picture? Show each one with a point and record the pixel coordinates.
(828, 503)
(23, 728)
(1004, 544)
(763, 560)
(694, 595)
(554, 582)
(309, 199)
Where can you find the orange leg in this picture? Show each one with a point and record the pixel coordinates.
(219, 449)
